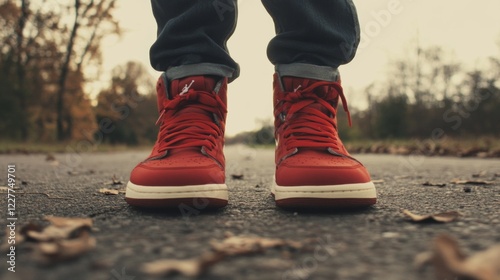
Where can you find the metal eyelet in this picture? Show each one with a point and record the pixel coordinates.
(282, 116)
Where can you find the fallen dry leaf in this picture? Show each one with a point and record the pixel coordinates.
(240, 245)
(230, 246)
(434, 184)
(109, 191)
(62, 239)
(190, 267)
(444, 217)
(451, 263)
(470, 182)
(61, 228)
(65, 249)
(114, 181)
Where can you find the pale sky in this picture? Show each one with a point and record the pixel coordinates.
(469, 29)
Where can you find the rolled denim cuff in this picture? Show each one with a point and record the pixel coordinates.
(308, 71)
(182, 71)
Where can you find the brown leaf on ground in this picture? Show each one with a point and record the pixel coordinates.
(230, 246)
(61, 228)
(240, 245)
(62, 239)
(109, 191)
(189, 267)
(65, 249)
(237, 176)
(432, 184)
(451, 263)
(444, 217)
(114, 181)
(470, 182)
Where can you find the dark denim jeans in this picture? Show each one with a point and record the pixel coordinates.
(313, 37)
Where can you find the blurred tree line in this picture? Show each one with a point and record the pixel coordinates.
(48, 50)
(430, 95)
(51, 50)
(427, 94)
(128, 107)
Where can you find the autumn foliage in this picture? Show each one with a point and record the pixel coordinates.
(46, 48)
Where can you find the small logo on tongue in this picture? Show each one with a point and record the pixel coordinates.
(186, 88)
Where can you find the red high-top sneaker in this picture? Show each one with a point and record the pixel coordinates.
(187, 163)
(313, 168)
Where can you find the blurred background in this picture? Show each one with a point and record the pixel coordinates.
(425, 78)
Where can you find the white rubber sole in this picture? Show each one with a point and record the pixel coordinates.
(209, 195)
(211, 191)
(347, 195)
(346, 191)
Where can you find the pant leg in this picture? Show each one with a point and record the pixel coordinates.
(313, 37)
(192, 36)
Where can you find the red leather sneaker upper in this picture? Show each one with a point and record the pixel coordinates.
(309, 150)
(189, 147)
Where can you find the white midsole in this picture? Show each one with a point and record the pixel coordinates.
(361, 190)
(217, 191)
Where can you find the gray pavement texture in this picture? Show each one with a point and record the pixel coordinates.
(374, 243)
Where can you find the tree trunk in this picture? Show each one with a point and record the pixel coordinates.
(21, 72)
(61, 135)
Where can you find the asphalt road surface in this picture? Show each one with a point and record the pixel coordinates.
(374, 243)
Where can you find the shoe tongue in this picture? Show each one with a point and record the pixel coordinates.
(201, 83)
(182, 86)
(292, 84)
